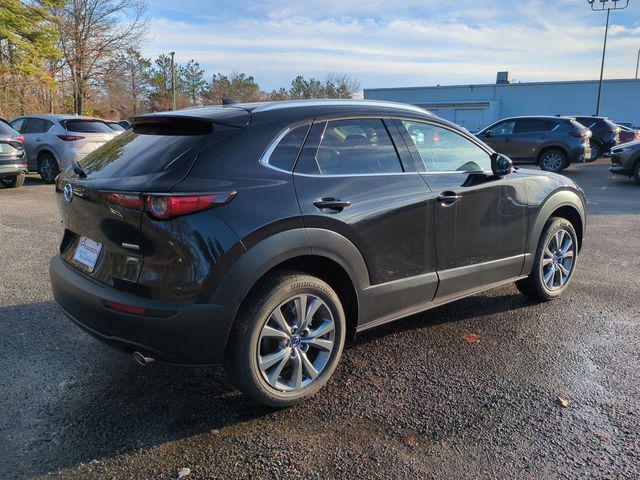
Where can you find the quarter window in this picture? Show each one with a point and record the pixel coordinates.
(287, 149)
(356, 146)
(443, 150)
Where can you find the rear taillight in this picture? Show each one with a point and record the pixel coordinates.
(164, 207)
(19, 139)
(70, 138)
(582, 134)
(636, 136)
(127, 200)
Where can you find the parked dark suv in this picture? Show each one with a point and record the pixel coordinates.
(605, 134)
(265, 235)
(551, 142)
(13, 163)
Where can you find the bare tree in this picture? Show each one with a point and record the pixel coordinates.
(92, 33)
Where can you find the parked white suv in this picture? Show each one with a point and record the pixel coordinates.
(53, 142)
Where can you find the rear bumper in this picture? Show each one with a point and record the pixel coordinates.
(13, 169)
(176, 333)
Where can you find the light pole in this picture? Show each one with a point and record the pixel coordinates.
(638, 64)
(173, 81)
(605, 5)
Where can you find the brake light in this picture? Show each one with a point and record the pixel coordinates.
(127, 200)
(164, 207)
(70, 138)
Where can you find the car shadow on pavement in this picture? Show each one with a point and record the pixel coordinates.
(70, 399)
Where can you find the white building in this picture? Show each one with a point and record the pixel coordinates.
(475, 106)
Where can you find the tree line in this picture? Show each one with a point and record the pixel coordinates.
(84, 56)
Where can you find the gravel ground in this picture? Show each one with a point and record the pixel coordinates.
(411, 399)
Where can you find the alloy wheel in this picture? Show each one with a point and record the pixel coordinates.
(558, 260)
(553, 162)
(296, 342)
(595, 151)
(48, 169)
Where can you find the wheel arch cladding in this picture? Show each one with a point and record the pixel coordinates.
(337, 262)
(566, 204)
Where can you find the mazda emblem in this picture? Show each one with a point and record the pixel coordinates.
(68, 192)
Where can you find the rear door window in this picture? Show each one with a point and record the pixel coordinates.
(37, 125)
(503, 128)
(87, 126)
(354, 146)
(533, 125)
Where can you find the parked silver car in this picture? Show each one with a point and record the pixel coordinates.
(54, 142)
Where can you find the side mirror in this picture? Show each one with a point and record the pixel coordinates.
(488, 133)
(501, 165)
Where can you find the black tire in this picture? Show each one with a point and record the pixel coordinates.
(553, 160)
(48, 168)
(596, 150)
(13, 182)
(241, 359)
(636, 172)
(534, 285)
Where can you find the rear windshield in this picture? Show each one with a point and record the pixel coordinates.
(7, 131)
(116, 126)
(131, 154)
(87, 126)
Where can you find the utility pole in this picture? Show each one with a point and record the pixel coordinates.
(173, 81)
(605, 5)
(638, 64)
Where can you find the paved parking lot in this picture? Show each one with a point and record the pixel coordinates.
(411, 399)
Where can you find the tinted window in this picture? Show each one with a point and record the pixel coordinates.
(7, 131)
(17, 124)
(532, 125)
(116, 127)
(131, 154)
(87, 126)
(443, 150)
(36, 125)
(503, 128)
(357, 146)
(287, 149)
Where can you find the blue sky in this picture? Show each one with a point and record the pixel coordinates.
(397, 42)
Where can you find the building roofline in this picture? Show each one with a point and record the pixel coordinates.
(522, 84)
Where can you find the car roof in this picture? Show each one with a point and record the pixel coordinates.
(240, 114)
(57, 117)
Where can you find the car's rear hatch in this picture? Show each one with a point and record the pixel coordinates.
(99, 197)
(87, 134)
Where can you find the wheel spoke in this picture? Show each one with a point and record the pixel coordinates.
(312, 308)
(546, 261)
(296, 373)
(564, 269)
(308, 366)
(322, 330)
(560, 279)
(301, 310)
(274, 375)
(271, 359)
(280, 320)
(567, 245)
(270, 332)
(559, 237)
(548, 277)
(568, 254)
(319, 343)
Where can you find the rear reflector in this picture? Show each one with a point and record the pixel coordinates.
(120, 307)
(70, 138)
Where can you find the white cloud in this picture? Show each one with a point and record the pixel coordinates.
(466, 45)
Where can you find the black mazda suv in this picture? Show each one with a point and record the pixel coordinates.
(263, 236)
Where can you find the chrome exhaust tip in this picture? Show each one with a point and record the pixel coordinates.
(142, 360)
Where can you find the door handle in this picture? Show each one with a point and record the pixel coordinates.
(331, 203)
(448, 198)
